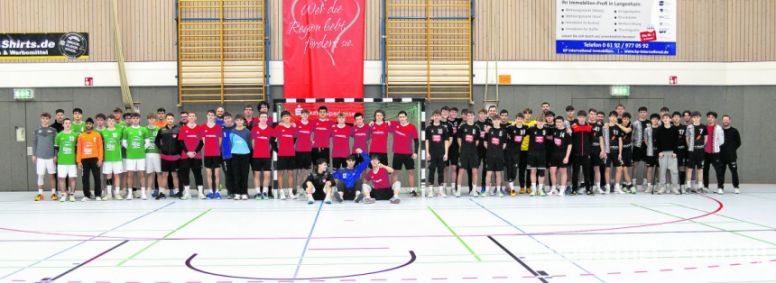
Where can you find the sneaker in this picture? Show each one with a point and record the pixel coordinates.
(209, 195)
(186, 196)
(359, 198)
(562, 192)
(532, 193)
(179, 194)
(501, 193)
(528, 190)
(369, 201)
(589, 192)
(568, 190)
(72, 198)
(39, 197)
(648, 189)
(618, 191)
(201, 196)
(599, 191)
(160, 196)
(633, 189)
(473, 193)
(522, 191)
(85, 199)
(458, 193)
(675, 190)
(337, 197)
(430, 192)
(442, 192)
(244, 197)
(264, 195)
(661, 190)
(130, 194)
(414, 194)
(98, 198)
(143, 196)
(327, 201)
(736, 191)
(107, 197)
(282, 195)
(217, 195)
(541, 192)
(720, 191)
(154, 193)
(310, 200)
(54, 197)
(513, 193)
(63, 198)
(705, 190)
(395, 200)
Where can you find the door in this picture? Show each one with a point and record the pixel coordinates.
(608, 104)
(32, 110)
(13, 157)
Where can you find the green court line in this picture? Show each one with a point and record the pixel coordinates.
(163, 237)
(477, 257)
(728, 217)
(710, 226)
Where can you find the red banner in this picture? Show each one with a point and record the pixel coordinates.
(349, 108)
(323, 51)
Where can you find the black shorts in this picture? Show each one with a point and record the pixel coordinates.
(556, 160)
(695, 159)
(639, 153)
(319, 153)
(286, 163)
(405, 160)
(213, 162)
(189, 163)
(595, 159)
(383, 157)
(612, 159)
(303, 160)
(537, 161)
(339, 162)
(436, 162)
(469, 161)
(681, 157)
(382, 194)
(349, 193)
(651, 161)
(170, 165)
(627, 157)
(261, 164)
(494, 163)
(453, 155)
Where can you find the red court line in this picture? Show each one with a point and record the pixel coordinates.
(347, 249)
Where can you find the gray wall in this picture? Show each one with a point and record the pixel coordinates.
(750, 106)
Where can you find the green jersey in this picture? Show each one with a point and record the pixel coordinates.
(121, 125)
(77, 128)
(152, 132)
(135, 141)
(65, 143)
(111, 140)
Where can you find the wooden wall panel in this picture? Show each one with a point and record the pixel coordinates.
(708, 30)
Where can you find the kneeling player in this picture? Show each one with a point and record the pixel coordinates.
(349, 182)
(319, 183)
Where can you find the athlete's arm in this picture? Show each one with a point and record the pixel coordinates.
(389, 169)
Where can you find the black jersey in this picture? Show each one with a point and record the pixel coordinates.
(700, 134)
(615, 134)
(496, 139)
(319, 180)
(598, 131)
(560, 141)
(469, 135)
(539, 140)
(682, 143)
(627, 138)
(436, 137)
(481, 126)
(516, 135)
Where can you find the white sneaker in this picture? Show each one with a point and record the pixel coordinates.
(473, 193)
(562, 192)
(186, 195)
(500, 193)
(72, 198)
(429, 192)
(98, 198)
(62, 197)
(458, 193)
(85, 199)
(143, 196)
(648, 189)
(107, 197)
(661, 190)
(130, 194)
(599, 191)
(675, 190)
(201, 196)
(541, 192)
(737, 191)
(282, 195)
(534, 192)
(244, 197)
(442, 192)
(720, 191)
(618, 190)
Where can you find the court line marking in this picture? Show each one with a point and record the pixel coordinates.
(728, 217)
(163, 237)
(535, 239)
(307, 242)
(89, 239)
(84, 263)
(476, 257)
(518, 260)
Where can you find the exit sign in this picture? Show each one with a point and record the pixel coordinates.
(23, 94)
(620, 90)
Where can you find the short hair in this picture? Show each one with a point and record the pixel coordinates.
(454, 109)
(285, 113)
(643, 108)
(263, 103)
(151, 116)
(626, 115)
(248, 106)
(374, 157)
(111, 118)
(379, 111)
(436, 112)
(712, 113)
(264, 113)
(540, 117)
(445, 108)
(59, 111)
(211, 111)
(504, 111)
(559, 118)
(45, 114)
(676, 113)
(358, 114)
(592, 110)
(339, 115)
(569, 108)
(304, 111)
(353, 157)
(549, 113)
(184, 112)
(170, 115)
(161, 109)
(545, 103)
(520, 115)
(696, 114)
(497, 117)
(227, 114)
(319, 161)
(527, 111)
(323, 108)
(239, 117)
(725, 116)
(65, 120)
(664, 109)
(619, 105)
(127, 115)
(665, 116)
(482, 110)
(582, 113)
(89, 120)
(492, 106)
(402, 113)
(654, 116)
(612, 113)
(115, 110)
(78, 110)
(99, 116)
(687, 112)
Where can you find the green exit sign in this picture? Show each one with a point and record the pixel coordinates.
(23, 94)
(620, 90)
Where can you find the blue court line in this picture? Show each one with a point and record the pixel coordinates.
(309, 236)
(87, 240)
(537, 240)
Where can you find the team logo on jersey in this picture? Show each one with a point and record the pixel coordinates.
(439, 131)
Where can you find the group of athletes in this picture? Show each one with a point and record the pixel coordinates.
(333, 161)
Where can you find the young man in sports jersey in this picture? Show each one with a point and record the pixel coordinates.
(681, 149)
(613, 136)
(240, 149)
(453, 122)
(99, 122)
(285, 133)
(495, 144)
(405, 148)
(43, 156)
(65, 144)
(153, 160)
(714, 141)
(504, 115)
(667, 138)
(322, 127)
(360, 133)
(560, 158)
(378, 145)
(212, 138)
(118, 115)
(261, 142)
(598, 151)
(436, 145)
(340, 139)
(696, 136)
(469, 162)
(639, 149)
(581, 137)
(112, 165)
(650, 158)
(380, 188)
(250, 120)
(319, 183)
(627, 152)
(537, 155)
(549, 123)
(304, 147)
(190, 136)
(483, 124)
(518, 158)
(59, 119)
(135, 139)
(170, 154)
(728, 154)
(528, 121)
(89, 157)
(77, 123)
(349, 179)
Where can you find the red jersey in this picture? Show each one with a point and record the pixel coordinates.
(252, 122)
(403, 137)
(379, 142)
(191, 138)
(321, 133)
(380, 179)
(304, 133)
(285, 139)
(211, 135)
(261, 145)
(360, 138)
(340, 141)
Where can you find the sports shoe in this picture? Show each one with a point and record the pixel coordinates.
(528, 190)
(179, 194)
(130, 194)
(430, 192)
(98, 198)
(85, 199)
(736, 191)
(442, 192)
(244, 197)
(522, 191)
(562, 192)
(589, 192)
(209, 195)
(63, 198)
(675, 190)
(568, 191)
(282, 195)
(513, 193)
(154, 193)
(458, 193)
(186, 196)
(201, 196)
(264, 195)
(107, 197)
(532, 193)
(618, 191)
(720, 191)
(705, 190)
(500, 193)
(143, 196)
(599, 191)
(648, 189)
(160, 196)
(54, 197)
(395, 200)
(541, 192)
(336, 195)
(661, 190)
(369, 201)
(473, 193)
(633, 189)
(72, 198)
(359, 198)
(310, 200)
(217, 195)
(414, 194)
(39, 197)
